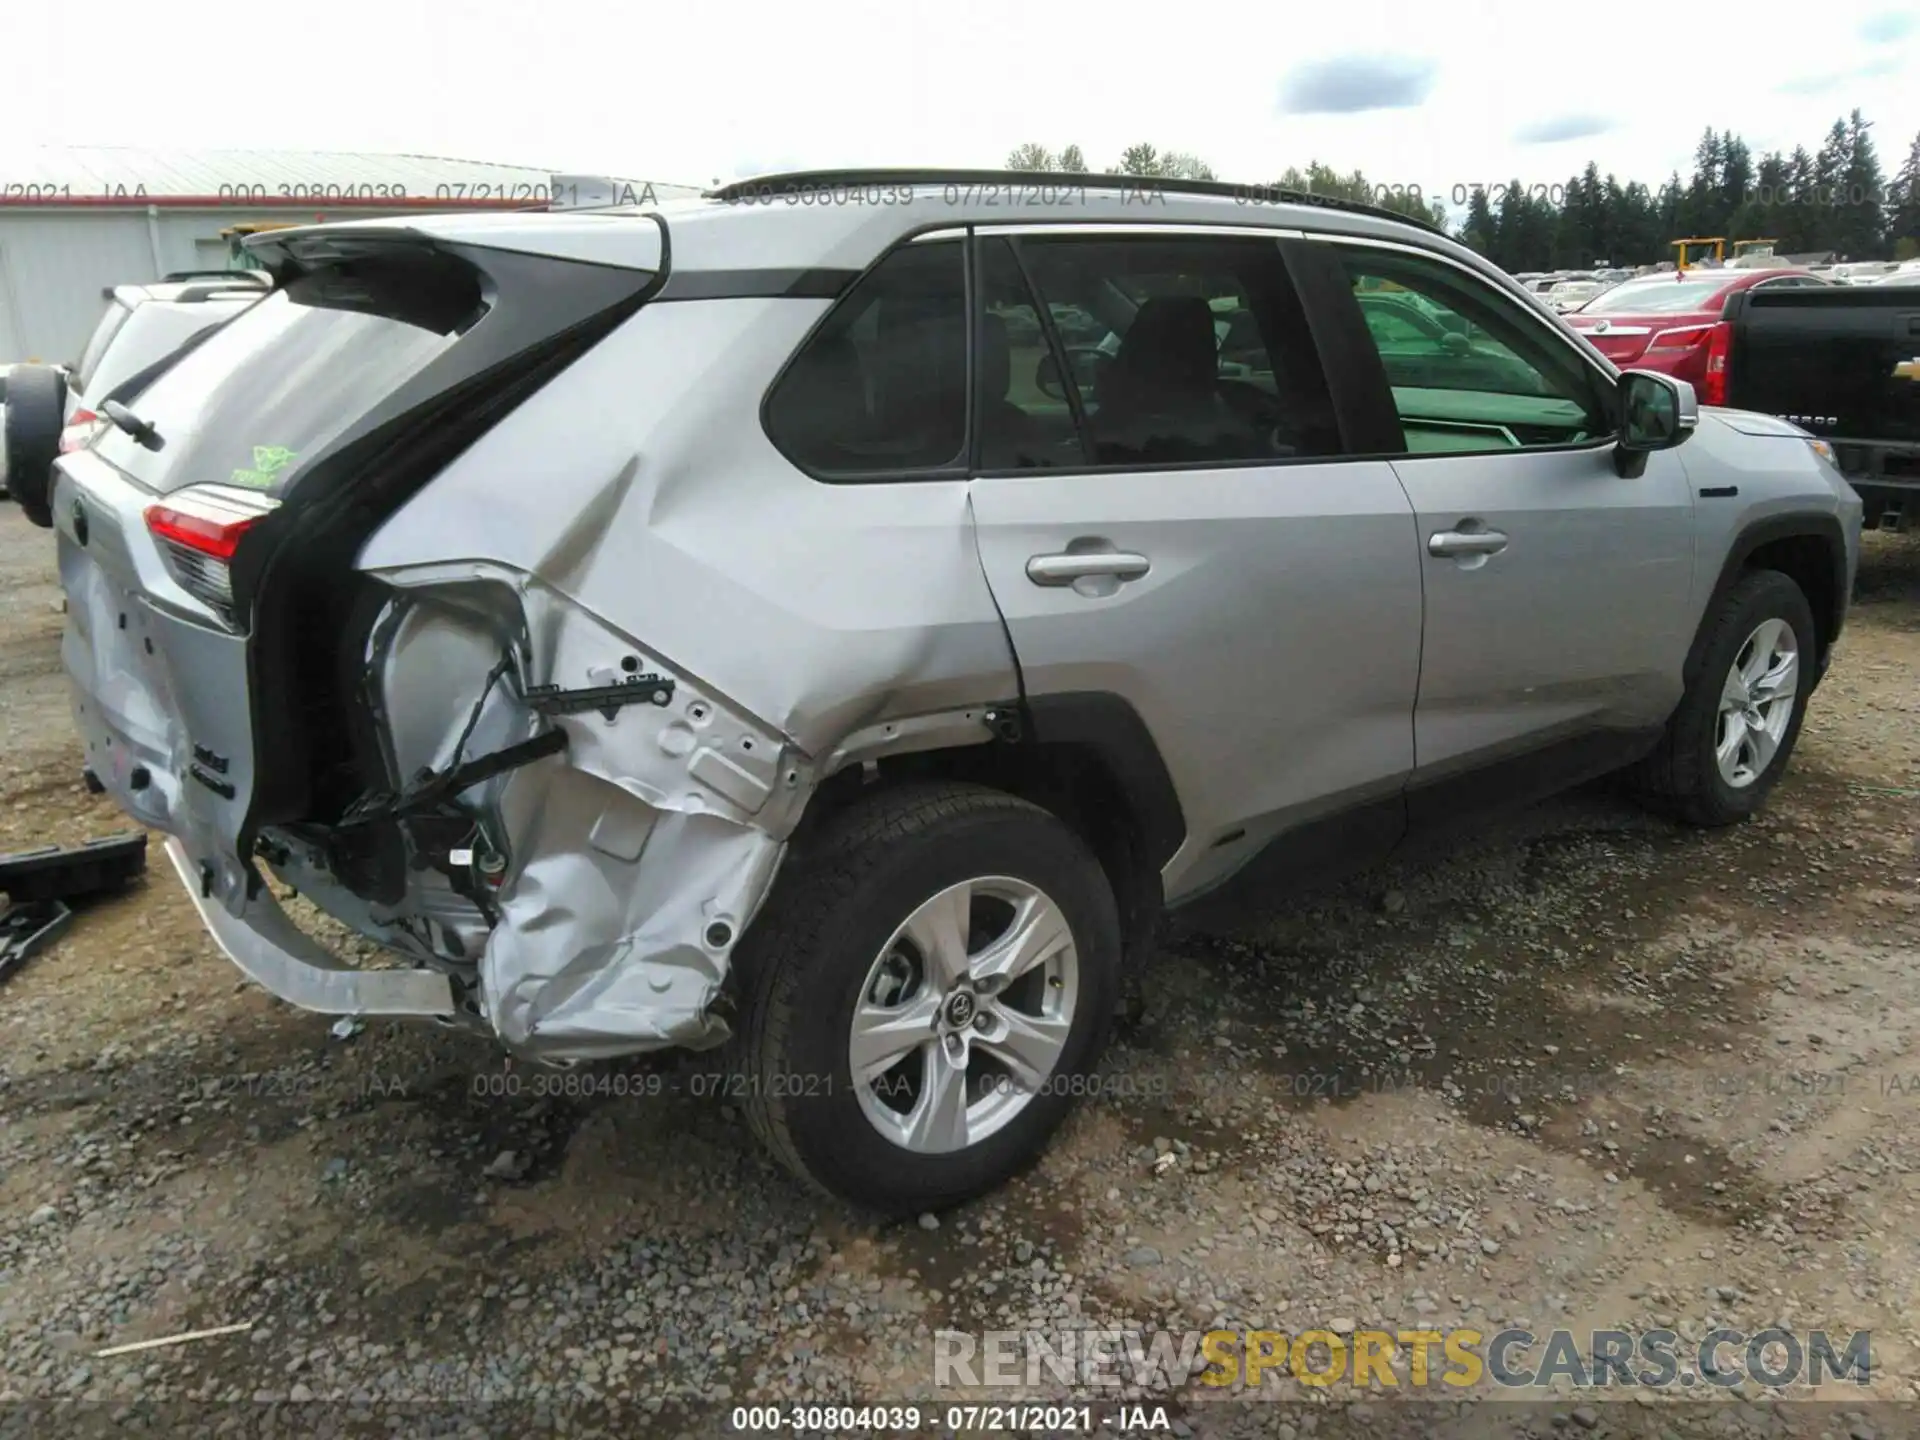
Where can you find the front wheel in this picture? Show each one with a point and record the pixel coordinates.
(925, 993)
(1730, 739)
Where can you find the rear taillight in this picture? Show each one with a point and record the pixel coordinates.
(79, 431)
(1684, 339)
(1713, 386)
(199, 528)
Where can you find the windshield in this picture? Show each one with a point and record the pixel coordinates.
(1656, 297)
(292, 372)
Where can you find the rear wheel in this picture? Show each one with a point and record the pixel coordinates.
(1730, 739)
(925, 992)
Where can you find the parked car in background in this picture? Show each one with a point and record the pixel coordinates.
(1842, 364)
(1421, 350)
(143, 323)
(1675, 323)
(55, 409)
(1861, 272)
(572, 721)
(1572, 294)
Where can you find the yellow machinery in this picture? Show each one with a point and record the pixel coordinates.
(1719, 244)
(1680, 248)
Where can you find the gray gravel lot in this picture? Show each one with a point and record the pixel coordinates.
(1585, 1070)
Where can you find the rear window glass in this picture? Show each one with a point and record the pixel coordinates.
(880, 389)
(1656, 297)
(103, 334)
(274, 388)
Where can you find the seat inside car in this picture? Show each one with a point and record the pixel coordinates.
(1009, 435)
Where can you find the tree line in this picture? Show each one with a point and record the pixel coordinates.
(1835, 199)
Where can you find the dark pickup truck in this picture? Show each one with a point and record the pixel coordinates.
(1842, 364)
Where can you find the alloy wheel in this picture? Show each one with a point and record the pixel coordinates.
(964, 1014)
(1756, 703)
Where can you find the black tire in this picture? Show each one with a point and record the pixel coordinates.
(1681, 777)
(803, 964)
(36, 413)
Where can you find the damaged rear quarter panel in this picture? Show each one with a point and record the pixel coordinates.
(636, 512)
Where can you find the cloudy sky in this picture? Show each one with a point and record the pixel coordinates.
(1428, 95)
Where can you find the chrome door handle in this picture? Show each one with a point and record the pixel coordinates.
(1466, 542)
(1066, 568)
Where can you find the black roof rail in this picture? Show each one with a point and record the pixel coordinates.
(795, 181)
(232, 277)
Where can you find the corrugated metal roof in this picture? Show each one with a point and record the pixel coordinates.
(50, 174)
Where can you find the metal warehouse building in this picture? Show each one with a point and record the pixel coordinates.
(76, 222)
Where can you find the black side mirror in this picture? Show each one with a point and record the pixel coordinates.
(1657, 412)
(1455, 342)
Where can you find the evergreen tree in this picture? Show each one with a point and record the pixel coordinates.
(1480, 232)
(1667, 206)
(1700, 209)
(1736, 177)
(1859, 208)
(1903, 206)
(1834, 198)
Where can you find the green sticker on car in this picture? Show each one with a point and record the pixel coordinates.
(268, 462)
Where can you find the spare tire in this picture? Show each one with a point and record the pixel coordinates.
(36, 414)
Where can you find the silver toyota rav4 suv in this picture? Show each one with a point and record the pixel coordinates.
(826, 622)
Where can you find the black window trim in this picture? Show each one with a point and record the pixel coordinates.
(1607, 378)
(936, 233)
(1056, 349)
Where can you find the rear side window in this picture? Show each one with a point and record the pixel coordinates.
(103, 334)
(1196, 351)
(879, 390)
(279, 383)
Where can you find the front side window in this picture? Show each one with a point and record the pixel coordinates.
(1469, 369)
(1174, 350)
(879, 390)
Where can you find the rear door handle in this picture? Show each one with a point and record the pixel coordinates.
(1466, 542)
(1066, 568)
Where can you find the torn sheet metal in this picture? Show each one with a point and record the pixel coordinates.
(632, 860)
(615, 931)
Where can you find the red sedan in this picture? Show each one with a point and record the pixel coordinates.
(1672, 323)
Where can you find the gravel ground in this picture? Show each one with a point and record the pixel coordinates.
(1585, 1070)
